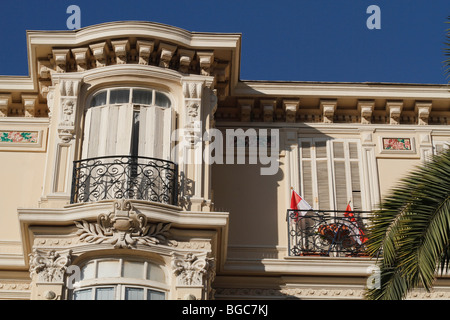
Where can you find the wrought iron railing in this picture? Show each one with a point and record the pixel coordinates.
(327, 233)
(124, 177)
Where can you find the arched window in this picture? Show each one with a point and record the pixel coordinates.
(121, 279)
(128, 121)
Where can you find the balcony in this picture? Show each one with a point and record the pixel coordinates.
(124, 177)
(327, 233)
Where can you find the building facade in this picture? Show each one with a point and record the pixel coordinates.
(136, 164)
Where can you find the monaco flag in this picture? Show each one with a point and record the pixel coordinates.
(298, 203)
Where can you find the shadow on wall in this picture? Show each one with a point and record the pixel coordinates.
(252, 199)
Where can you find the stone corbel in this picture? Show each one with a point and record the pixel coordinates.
(268, 107)
(166, 52)
(423, 110)
(245, 106)
(82, 57)
(100, 51)
(290, 109)
(61, 58)
(206, 60)
(121, 49)
(365, 108)
(328, 108)
(145, 49)
(5, 101)
(186, 57)
(30, 103)
(394, 109)
(44, 69)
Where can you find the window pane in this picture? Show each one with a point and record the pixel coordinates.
(162, 100)
(119, 96)
(88, 271)
(108, 269)
(104, 294)
(85, 294)
(155, 273)
(141, 96)
(99, 99)
(132, 269)
(134, 294)
(155, 295)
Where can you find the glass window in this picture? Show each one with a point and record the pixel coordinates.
(107, 269)
(162, 100)
(155, 295)
(99, 99)
(119, 96)
(85, 294)
(134, 294)
(142, 96)
(131, 280)
(104, 293)
(88, 271)
(132, 269)
(155, 273)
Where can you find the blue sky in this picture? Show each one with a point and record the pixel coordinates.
(298, 40)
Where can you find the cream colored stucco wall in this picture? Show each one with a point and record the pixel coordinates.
(22, 175)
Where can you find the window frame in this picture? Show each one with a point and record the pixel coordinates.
(119, 282)
(130, 98)
(330, 159)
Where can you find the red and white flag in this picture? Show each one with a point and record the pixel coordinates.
(298, 203)
(361, 237)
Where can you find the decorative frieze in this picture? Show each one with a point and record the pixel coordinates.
(49, 266)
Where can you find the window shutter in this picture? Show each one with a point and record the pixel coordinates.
(107, 131)
(322, 185)
(340, 183)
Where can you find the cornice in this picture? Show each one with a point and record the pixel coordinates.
(342, 90)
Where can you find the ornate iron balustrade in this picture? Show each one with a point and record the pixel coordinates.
(124, 177)
(326, 233)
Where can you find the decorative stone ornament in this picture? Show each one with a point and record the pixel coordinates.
(51, 266)
(290, 108)
(366, 108)
(328, 108)
(191, 270)
(394, 109)
(123, 228)
(423, 110)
